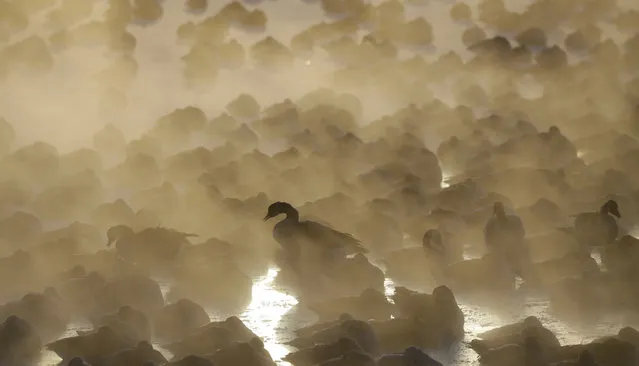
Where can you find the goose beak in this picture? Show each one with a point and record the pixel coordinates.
(615, 212)
(110, 242)
(266, 218)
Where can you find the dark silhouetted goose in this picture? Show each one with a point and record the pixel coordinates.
(291, 234)
(518, 333)
(598, 228)
(432, 243)
(505, 234)
(503, 229)
(92, 346)
(127, 322)
(149, 245)
(211, 337)
(178, 320)
(358, 330)
(439, 311)
(19, 342)
(437, 254)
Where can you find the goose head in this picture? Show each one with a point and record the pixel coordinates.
(611, 207)
(279, 208)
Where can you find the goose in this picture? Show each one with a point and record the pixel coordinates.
(156, 243)
(19, 342)
(323, 333)
(127, 322)
(212, 337)
(506, 234)
(179, 319)
(598, 228)
(433, 246)
(436, 253)
(90, 346)
(291, 234)
(503, 229)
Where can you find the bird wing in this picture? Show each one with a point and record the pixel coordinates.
(331, 238)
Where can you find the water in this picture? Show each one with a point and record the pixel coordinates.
(264, 315)
(272, 314)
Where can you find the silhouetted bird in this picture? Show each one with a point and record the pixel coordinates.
(505, 234)
(598, 228)
(293, 235)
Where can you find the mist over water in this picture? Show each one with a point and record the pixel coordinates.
(221, 195)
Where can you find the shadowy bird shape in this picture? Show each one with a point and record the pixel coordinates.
(291, 234)
(597, 228)
(505, 234)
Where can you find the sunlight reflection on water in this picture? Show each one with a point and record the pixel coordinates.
(265, 312)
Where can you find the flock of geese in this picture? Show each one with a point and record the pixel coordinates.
(154, 242)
